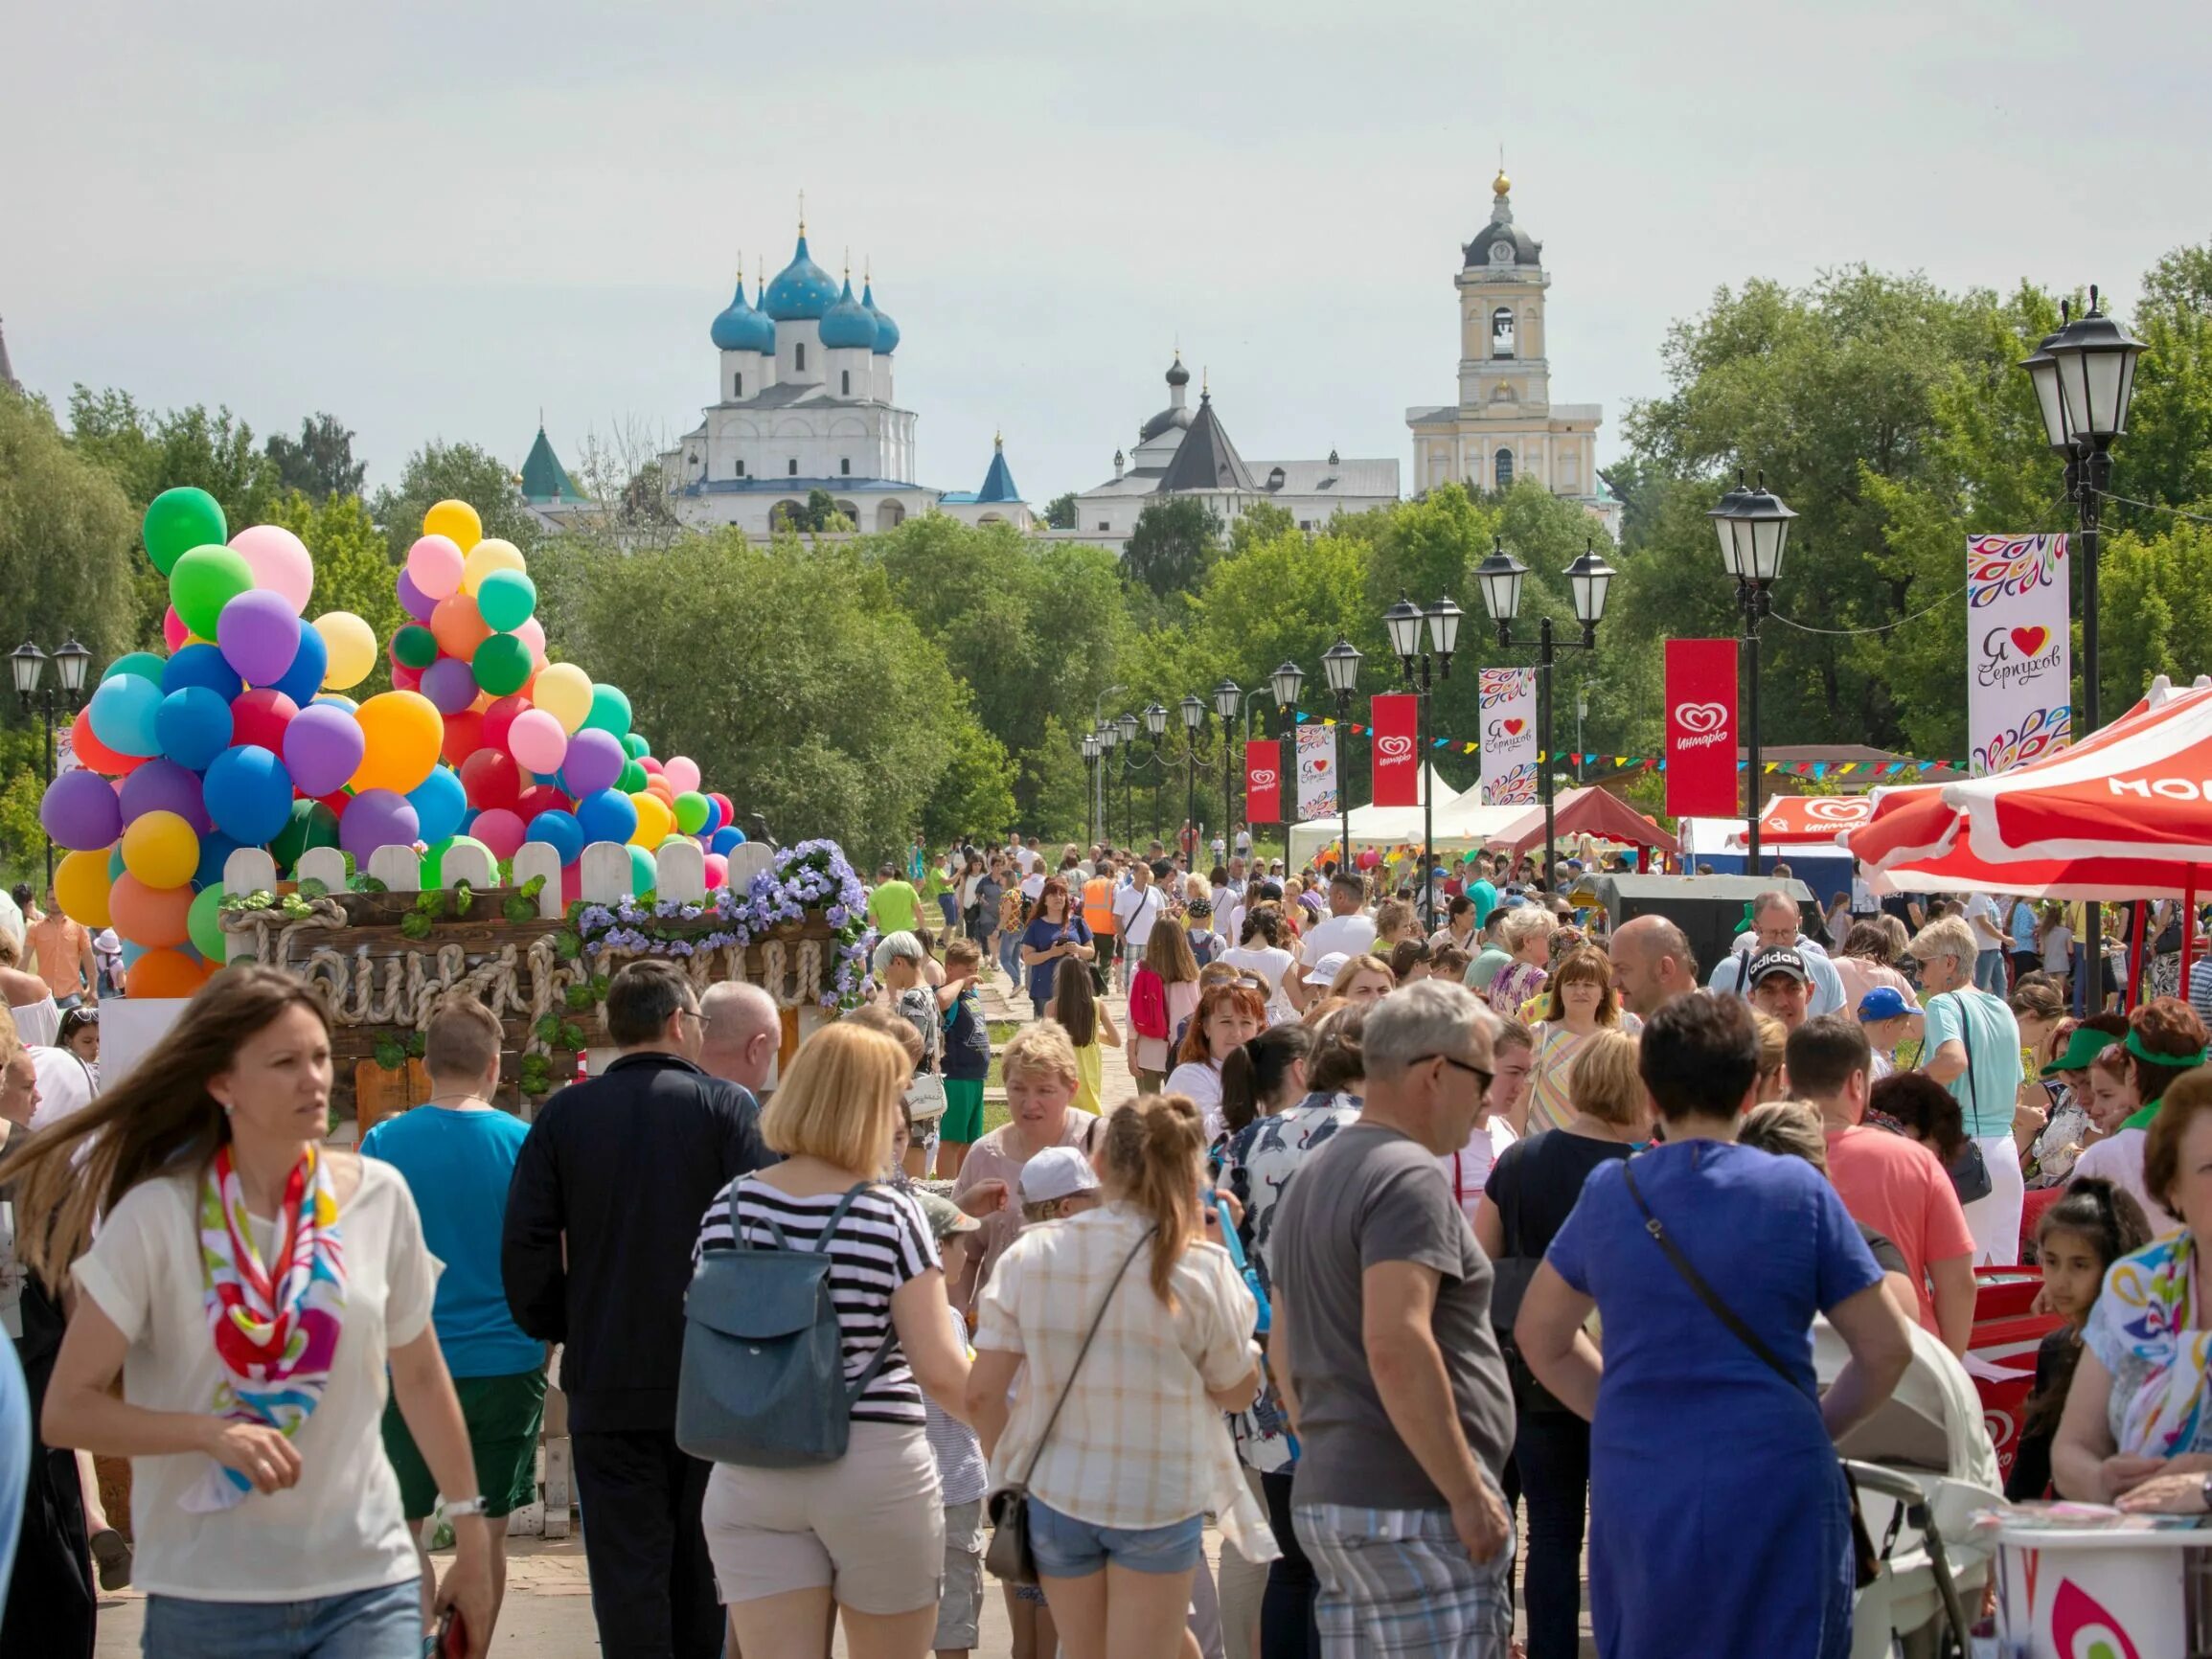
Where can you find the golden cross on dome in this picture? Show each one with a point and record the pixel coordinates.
(802, 213)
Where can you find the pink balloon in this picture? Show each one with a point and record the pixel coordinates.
(435, 562)
(173, 630)
(682, 774)
(499, 829)
(280, 562)
(536, 740)
(717, 871)
(532, 633)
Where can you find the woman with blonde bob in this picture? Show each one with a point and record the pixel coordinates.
(1578, 1003)
(1118, 1525)
(1363, 979)
(1042, 1073)
(864, 1537)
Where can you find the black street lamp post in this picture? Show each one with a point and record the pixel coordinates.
(1110, 737)
(1404, 620)
(2085, 378)
(1156, 725)
(1091, 748)
(1194, 719)
(1587, 579)
(1754, 529)
(1340, 663)
(1227, 695)
(71, 660)
(1128, 726)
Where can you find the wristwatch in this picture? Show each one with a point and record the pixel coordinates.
(466, 1507)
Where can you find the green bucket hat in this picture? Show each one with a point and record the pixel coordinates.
(2083, 1046)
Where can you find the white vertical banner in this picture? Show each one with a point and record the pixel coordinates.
(1509, 752)
(2020, 668)
(1317, 782)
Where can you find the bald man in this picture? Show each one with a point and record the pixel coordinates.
(742, 1033)
(1652, 964)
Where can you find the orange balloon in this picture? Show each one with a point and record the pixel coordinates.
(459, 626)
(656, 784)
(166, 972)
(91, 752)
(150, 916)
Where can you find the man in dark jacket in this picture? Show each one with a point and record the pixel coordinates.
(609, 1192)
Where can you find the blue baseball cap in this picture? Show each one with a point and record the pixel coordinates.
(1883, 1002)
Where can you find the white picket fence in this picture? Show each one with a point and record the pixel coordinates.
(681, 870)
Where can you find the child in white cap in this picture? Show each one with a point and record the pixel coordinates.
(1058, 1181)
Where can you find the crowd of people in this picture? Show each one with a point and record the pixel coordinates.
(1434, 1239)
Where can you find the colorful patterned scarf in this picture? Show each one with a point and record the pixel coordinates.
(2151, 1304)
(275, 1330)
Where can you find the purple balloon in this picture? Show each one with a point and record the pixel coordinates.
(260, 636)
(377, 818)
(323, 748)
(450, 684)
(414, 601)
(164, 786)
(594, 761)
(81, 811)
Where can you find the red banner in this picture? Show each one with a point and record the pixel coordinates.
(1701, 727)
(1264, 782)
(1397, 749)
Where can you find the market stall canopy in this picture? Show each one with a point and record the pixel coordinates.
(1374, 826)
(1591, 811)
(1808, 820)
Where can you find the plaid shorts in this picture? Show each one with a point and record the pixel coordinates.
(1399, 1581)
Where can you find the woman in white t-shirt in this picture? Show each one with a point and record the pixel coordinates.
(1229, 1015)
(267, 1517)
(1262, 950)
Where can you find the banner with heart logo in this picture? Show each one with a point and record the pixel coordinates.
(2019, 667)
(1318, 796)
(1701, 727)
(1395, 732)
(1263, 782)
(1508, 750)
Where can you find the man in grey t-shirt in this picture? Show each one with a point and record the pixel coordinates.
(1385, 1355)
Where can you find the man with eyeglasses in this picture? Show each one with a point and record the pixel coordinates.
(596, 1253)
(1384, 1354)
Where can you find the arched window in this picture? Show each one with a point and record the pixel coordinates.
(799, 357)
(1501, 468)
(736, 385)
(846, 382)
(1502, 332)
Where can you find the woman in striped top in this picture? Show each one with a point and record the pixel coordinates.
(865, 1533)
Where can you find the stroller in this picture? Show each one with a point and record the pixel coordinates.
(1923, 1464)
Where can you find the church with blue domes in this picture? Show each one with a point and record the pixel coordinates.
(805, 401)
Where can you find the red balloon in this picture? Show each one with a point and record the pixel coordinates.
(259, 717)
(652, 766)
(571, 882)
(729, 812)
(499, 717)
(97, 755)
(491, 778)
(406, 679)
(543, 798)
(464, 736)
(337, 803)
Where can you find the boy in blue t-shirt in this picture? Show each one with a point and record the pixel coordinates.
(457, 1154)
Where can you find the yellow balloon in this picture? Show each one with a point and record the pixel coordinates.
(80, 883)
(563, 691)
(654, 820)
(160, 850)
(487, 557)
(351, 645)
(456, 521)
(402, 733)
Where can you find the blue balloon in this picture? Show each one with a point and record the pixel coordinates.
(714, 819)
(607, 815)
(249, 794)
(305, 677)
(440, 803)
(215, 851)
(122, 712)
(559, 830)
(203, 665)
(131, 953)
(115, 864)
(335, 701)
(725, 838)
(194, 725)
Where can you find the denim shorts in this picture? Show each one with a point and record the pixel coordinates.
(1067, 1548)
(382, 1624)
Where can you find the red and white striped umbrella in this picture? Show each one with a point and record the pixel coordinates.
(1810, 819)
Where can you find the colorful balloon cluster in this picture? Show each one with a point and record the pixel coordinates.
(242, 737)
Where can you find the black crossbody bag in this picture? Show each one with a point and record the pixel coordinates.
(1866, 1564)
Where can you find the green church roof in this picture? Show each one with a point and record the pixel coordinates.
(544, 477)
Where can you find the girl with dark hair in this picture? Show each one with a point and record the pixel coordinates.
(1076, 1007)
(248, 1291)
(1263, 1076)
(2077, 1240)
(1263, 950)
(1055, 933)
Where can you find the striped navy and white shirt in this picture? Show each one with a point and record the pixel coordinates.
(881, 1243)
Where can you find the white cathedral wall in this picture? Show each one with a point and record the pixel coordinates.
(757, 367)
(848, 372)
(789, 337)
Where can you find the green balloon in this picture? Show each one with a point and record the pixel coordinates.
(179, 520)
(632, 777)
(609, 710)
(506, 600)
(310, 825)
(203, 923)
(644, 872)
(693, 810)
(414, 647)
(144, 664)
(635, 743)
(202, 582)
(502, 664)
(434, 859)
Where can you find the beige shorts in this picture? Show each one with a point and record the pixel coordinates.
(869, 1528)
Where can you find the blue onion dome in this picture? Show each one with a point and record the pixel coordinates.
(886, 331)
(802, 290)
(740, 327)
(847, 324)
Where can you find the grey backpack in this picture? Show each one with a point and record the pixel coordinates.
(764, 1382)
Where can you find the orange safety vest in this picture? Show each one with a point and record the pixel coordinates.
(1098, 904)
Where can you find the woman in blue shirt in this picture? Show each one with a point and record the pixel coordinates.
(1055, 934)
(1720, 1522)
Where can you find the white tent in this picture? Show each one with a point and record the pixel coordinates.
(1375, 826)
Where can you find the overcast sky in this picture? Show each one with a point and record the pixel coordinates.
(434, 220)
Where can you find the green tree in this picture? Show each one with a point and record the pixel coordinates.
(354, 569)
(67, 538)
(1060, 511)
(441, 472)
(147, 453)
(320, 463)
(1172, 546)
(975, 796)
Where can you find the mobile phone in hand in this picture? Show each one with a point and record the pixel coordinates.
(452, 1641)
